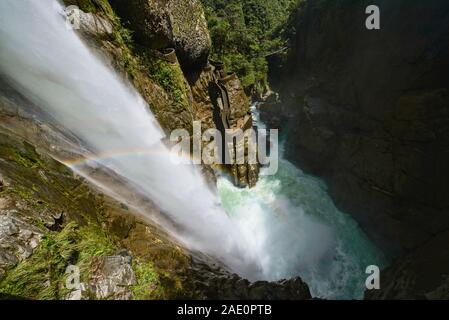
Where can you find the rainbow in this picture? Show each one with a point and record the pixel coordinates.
(102, 157)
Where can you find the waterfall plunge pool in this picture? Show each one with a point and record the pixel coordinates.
(294, 228)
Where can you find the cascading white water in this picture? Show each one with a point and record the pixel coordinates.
(296, 230)
(286, 226)
(52, 67)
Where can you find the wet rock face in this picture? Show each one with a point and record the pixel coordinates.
(24, 220)
(421, 274)
(159, 24)
(206, 108)
(215, 283)
(370, 113)
(176, 95)
(237, 99)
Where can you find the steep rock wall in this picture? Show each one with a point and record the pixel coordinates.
(369, 112)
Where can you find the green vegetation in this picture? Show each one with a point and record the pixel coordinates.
(139, 63)
(245, 31)
(148, 284)
(169, 76)
(25, 160)
(90, 229)
(42, 276)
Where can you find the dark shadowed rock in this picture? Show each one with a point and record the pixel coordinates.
(370, 113)
(216, 283)
(422, 274)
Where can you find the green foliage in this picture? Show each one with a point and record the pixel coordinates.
(42, 276)
(40, 184)
(244, 31)
(25, 160)
(123, 38)
(169, 76)
(121, 34)
(94, 242)
(148, 285)
(27, 157)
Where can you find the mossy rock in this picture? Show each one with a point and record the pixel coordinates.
(159, 24)
(93, 6)
(92, 226)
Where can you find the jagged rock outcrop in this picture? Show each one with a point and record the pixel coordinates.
(112, 279)
(219, 101)
(89, 23)
(177, 96)
(159, 24)
(218, 284)
(369, 112)
(18, 238)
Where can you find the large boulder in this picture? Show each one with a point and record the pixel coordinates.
(217, 283)
(90, 24)
(113, 278)
(159, 24)
(18, 239)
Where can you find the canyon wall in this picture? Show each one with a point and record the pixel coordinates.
(368, 111)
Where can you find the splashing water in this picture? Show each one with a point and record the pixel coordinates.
(296, 229)
(50, 65)
(286, 226)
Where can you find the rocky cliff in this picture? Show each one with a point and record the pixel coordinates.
(159, 24)
(368, 111)
(165, 54)
(51, 218)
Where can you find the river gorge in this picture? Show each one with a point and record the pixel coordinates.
(87, 178)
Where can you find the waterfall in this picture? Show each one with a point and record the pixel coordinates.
(50, 65)
(284, 227)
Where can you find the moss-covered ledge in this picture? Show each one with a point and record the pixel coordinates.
(77, 225)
